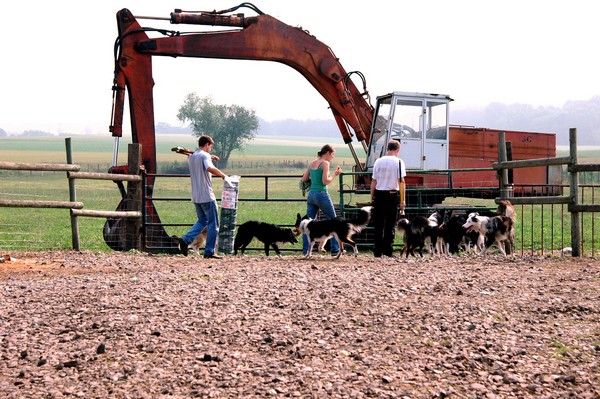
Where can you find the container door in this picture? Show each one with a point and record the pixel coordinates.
(419, 121)
(408, 128)
(435, 149)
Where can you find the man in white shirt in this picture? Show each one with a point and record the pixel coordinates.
(387, 195)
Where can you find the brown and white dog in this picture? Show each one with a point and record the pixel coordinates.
(505, 208)
(492, 230)
(198, 242)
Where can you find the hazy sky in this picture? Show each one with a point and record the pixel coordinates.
(57, 57)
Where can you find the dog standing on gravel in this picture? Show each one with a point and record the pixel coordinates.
(419, 233)
(198, 242)
(434, 236)
(492, 230)
(269, 234)
(342, 230)
(455, 236)
(505, 208)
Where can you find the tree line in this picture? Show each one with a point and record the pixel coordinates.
(581, 114)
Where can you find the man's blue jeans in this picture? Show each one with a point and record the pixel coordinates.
(319, 200)
(208, 216)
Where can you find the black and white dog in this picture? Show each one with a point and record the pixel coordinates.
(269, 234)
(436, 220)
(492, 230)
(342, 230)
(455, 236)
(414, 232)
(453, 233)
(420, 233)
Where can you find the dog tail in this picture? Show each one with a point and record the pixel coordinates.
(362, 220)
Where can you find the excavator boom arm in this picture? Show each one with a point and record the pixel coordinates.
(261, 38)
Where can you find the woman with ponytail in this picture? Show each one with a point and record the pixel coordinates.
(318, 196)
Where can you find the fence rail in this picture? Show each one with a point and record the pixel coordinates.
(573, 200)
(48, 167)
(41, 204)
(75, 207)
(107, 214)
(103, 176)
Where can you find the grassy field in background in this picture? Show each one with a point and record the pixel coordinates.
(584, 154)
(99, 149)
(91, 149)
(38, 229)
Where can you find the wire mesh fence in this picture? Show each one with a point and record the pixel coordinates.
(35, 229)
(542, 230)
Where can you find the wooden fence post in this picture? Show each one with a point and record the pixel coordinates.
(133, 226)
(72, 198)
(574, 187)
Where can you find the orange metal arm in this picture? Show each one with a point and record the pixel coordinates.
(133, 71)
(265, 38)
(260, 38)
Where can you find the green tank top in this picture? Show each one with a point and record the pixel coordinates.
(316, 180)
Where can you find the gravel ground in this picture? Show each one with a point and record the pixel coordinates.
(130, 325)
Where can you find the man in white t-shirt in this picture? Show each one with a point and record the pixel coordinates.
(387, 195)
(203, 197)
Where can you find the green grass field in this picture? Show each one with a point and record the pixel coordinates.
(39, 229)
(98, 149)
(540, 228)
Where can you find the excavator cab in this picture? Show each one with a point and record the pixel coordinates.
(419, 121)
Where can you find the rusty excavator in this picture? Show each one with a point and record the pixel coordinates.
(419, 120)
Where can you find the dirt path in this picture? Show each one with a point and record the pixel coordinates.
(127, 325)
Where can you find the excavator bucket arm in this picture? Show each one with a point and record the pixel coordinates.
(260, 38)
